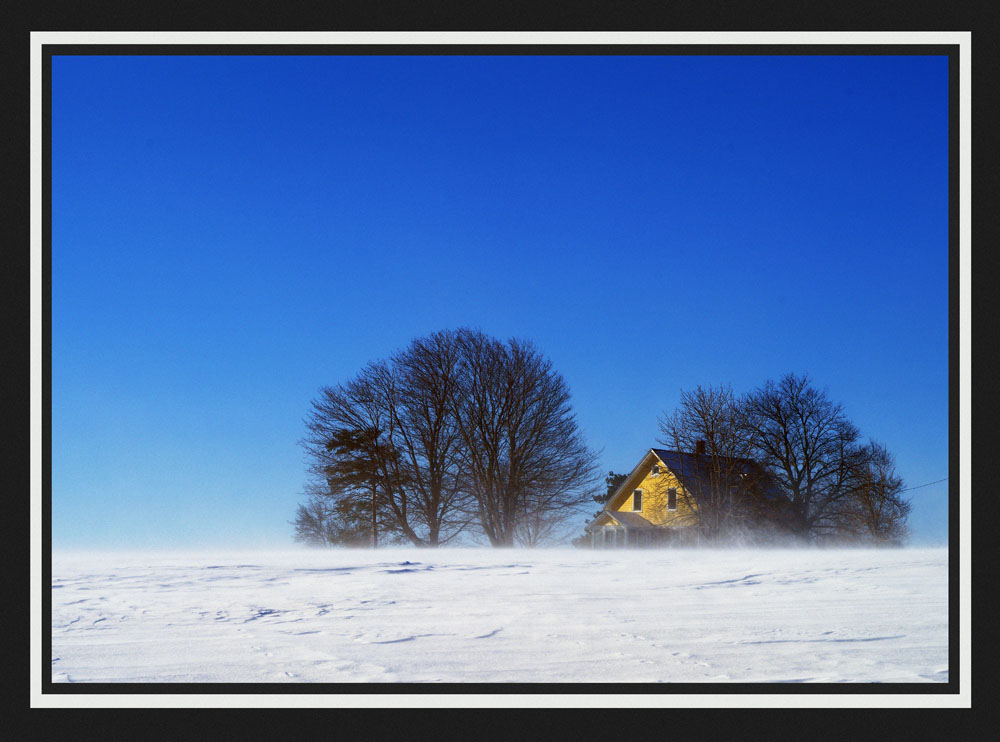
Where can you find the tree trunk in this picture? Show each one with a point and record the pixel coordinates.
(374, 527)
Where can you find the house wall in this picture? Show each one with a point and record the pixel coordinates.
(654, 498)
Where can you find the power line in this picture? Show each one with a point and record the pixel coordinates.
(925, 485)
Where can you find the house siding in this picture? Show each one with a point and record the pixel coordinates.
(654, 497)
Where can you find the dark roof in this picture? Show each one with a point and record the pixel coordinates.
(692, 460)
(692, 471)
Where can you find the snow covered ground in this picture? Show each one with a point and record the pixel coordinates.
(474, 615)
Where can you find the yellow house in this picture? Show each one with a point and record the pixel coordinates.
(658, 501)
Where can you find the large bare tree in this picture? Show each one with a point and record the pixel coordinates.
(524, 457)
(810, 446)
(457, 429)
(427, 437)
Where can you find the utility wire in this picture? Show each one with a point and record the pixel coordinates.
(925, 485)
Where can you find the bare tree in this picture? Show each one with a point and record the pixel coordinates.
(392, 430)
(427, 437)
(875, 511)
(351, 444)
(456, 429)
(809, 445)
(712, 432)
(324, 521)
(314, 523)
(546, 518)
(524, 457)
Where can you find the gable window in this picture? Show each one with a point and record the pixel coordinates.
(637, 501)
(672, 498)
(655, 472)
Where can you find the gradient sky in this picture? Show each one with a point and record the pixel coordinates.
(232, 233)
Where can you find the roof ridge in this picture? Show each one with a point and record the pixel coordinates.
(692, 454)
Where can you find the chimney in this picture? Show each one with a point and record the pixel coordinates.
(699, 448)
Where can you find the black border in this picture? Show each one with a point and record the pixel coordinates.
(949, 50)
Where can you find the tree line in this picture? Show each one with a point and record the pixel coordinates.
(457, 433)
(462, 433)
(782, 459)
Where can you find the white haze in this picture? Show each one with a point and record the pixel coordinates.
(488, 615)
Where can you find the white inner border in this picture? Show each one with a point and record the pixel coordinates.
(962, 700)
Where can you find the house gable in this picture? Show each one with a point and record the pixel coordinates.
(655, 494)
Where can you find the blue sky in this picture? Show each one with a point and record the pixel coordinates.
(232, 233)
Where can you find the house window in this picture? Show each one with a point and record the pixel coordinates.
(655, 472)
(637, 500)
(672, 498)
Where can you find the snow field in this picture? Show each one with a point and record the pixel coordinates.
(487, 615)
